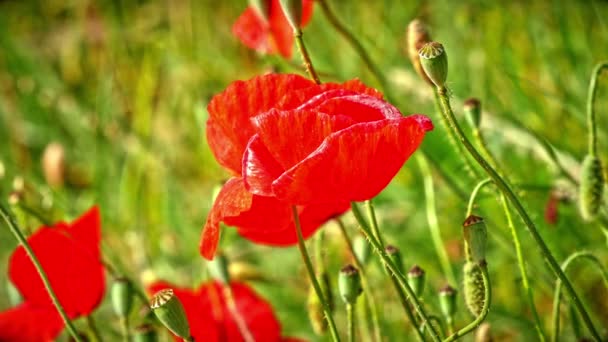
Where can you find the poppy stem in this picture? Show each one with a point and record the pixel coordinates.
(591, 124)
(45, 280)
(313, 278)
(310, 69)
(487, 295)
(367, 290)
(558, 286)
(395, 274)
(350, 317)
(474, 194)
(512, 197)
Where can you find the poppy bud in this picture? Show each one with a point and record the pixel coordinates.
(395, 254)
(145, 333)
(293, 12)
(218, 268)
(476, 236)
(261, 7)
(417, 35)
(53, 164)
(170, 312)
(447, 301)
(592, 187)
(415, 278)
(473, 288)
(122, 296)
(349, 283)
(14, 297)
(472, 112)
(361, 248)
(434, 61)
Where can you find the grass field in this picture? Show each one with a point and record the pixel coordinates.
(124, 86)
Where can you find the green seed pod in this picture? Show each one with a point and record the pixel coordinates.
(122, 296)
(361, 248)
(145, 333)
(473, 288)
(293, 12)
(592, 187)
(349, 284)
(218, 268)
(472, 112)
(170, 312)
(447, 301)
(262, 7)
(417, 35)
(415, 278)
(14, 297)
(395, 254)
(476, 236)
(434, 61)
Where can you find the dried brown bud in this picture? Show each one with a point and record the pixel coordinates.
(417, 35)
(53, 164)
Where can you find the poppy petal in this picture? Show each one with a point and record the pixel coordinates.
(76, 276)
(292, 100)
(252, 30)
(30, 323)
(280, 30)
(363, 159)
(229, 127)
(307, 6)
(260, 168)
(86, 230)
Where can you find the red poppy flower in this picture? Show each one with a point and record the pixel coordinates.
(70, 256)
(211, 319)
(269, 32)
(290, 141)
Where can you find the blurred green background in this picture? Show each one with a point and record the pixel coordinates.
(123, 86)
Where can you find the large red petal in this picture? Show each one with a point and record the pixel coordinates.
(260, 168)
(253, 31)
(232, 199)
(76, 276)
(86, 231)
(30, 323)
(229, 127)
(280, 30)
(307, 6)
(362, 158)
(294, 99)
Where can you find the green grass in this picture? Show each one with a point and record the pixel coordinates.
(124, 85)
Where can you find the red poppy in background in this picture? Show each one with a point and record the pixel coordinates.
(211, 319)
(70, 256)
(267, 30)
(289, 141)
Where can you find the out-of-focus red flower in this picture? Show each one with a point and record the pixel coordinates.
(552, 208)
(211, 319)
(269, 32)
(70, 256)
(290, 142)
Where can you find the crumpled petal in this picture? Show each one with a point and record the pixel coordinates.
(294, 99)
(30, 323)
(229, 127)
(362, 158)
(69, 254)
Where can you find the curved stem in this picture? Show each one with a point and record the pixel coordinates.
(558, 287)
(474, 195)
(367, 290)
(350, 317)
(45, 280)
(591, 126)
(236, 315)
(431, 214)
(310, 69)
(487, 295)
(371, 213)
(313, 277)
(397, 275)
(506, 190)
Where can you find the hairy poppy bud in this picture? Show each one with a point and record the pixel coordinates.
(592, 187)
(122, 297)
(293, 12)
(361, 248)
(349, 284)
(53, 164)
(447, 301)
(417, 35)
(218, 268)
(415, 278)
(170, 312)
(472, 112)
(395, 254)
(473, 288)
(145, 333)
(434, 61)
(261, 7)
(476, 236)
